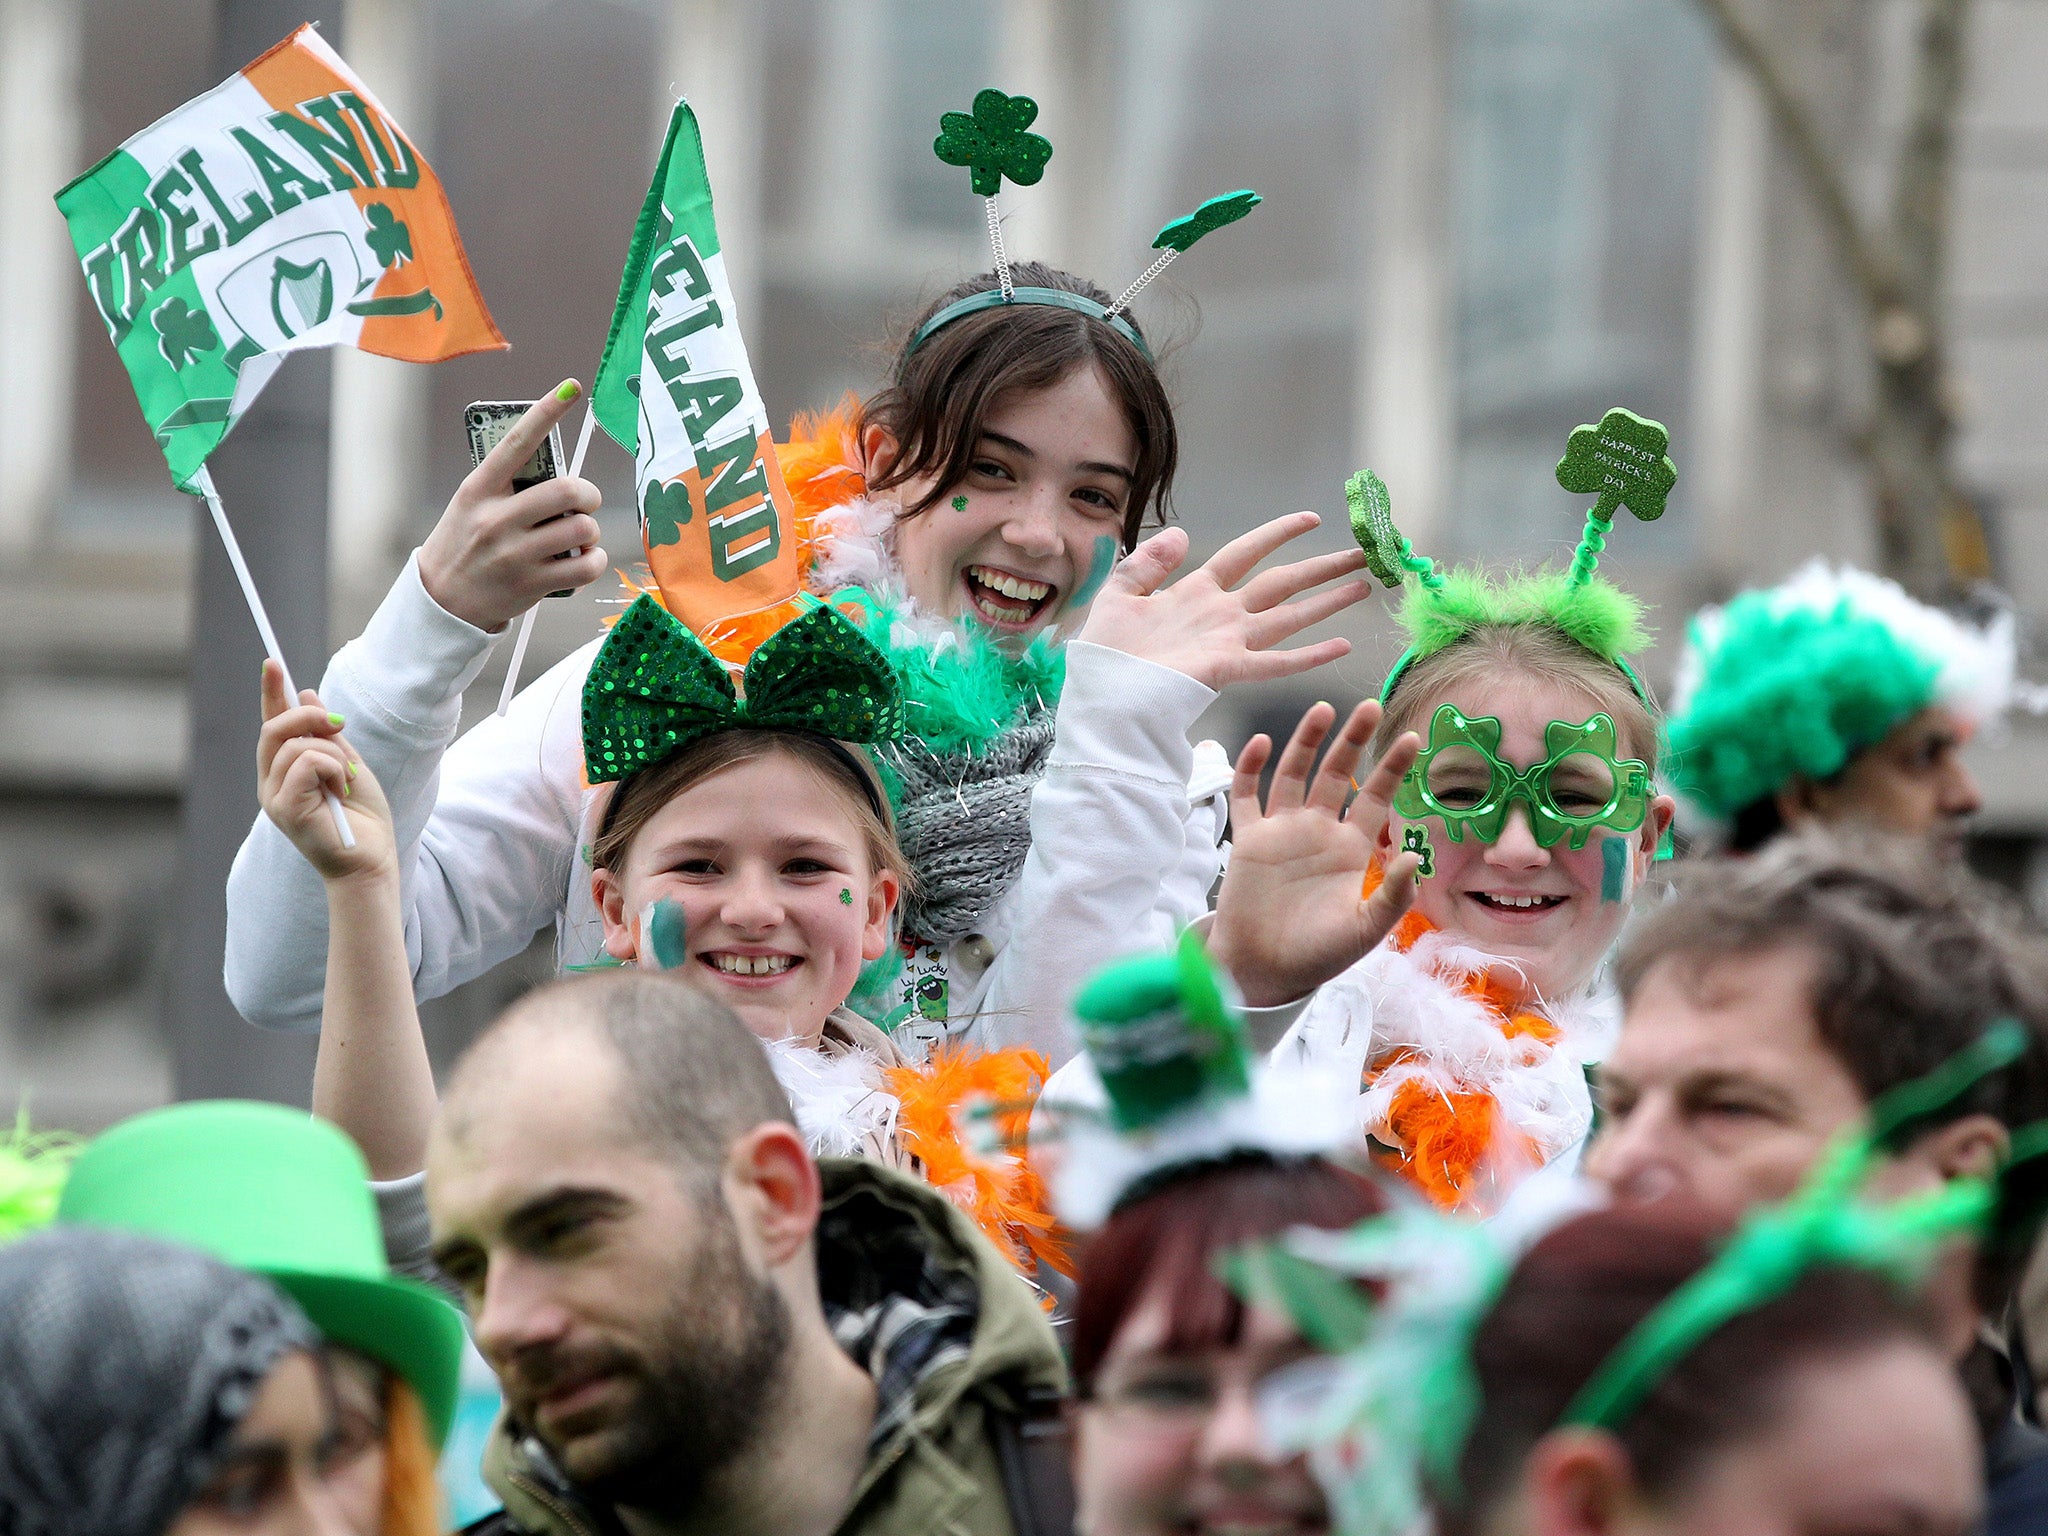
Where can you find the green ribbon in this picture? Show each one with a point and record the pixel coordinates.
(654, 688)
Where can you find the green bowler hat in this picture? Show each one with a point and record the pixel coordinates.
(274, 1191)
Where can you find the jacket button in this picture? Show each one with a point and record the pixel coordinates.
(976, 953)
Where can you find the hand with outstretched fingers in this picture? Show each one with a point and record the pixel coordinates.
(1210, 627)
(496, 551)
(300, 756)
(1290, 916)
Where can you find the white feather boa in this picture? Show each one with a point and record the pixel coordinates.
(841, 1107)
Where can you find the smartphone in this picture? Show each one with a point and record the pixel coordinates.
(488, 422)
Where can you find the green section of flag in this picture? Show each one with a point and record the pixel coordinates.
(678, 203)
(180, 365)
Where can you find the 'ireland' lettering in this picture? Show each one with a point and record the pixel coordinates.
(333, 146)
(757, 528)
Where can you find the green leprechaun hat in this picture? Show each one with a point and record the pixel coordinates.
(276, 1192)
(1163, 1036)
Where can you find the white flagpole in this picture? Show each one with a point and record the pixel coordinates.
(204, 480)
(526, 624)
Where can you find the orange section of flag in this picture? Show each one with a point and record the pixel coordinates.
(431, 306)
(723, 574)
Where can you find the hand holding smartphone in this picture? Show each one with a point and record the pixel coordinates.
(488, 421)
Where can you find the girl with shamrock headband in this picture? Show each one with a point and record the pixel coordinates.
(1512, 803)
(747, 847)
(988, 503)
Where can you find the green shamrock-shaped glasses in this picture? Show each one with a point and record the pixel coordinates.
(1461, 780)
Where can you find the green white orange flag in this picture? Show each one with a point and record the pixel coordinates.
(283, 209)
(676, 388)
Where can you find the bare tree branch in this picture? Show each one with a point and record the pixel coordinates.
(1869, 266)
(1920, 197)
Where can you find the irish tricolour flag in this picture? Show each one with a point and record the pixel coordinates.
(283, 209)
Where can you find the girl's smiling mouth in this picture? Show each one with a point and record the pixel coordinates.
(749, 969)
(1003, 598)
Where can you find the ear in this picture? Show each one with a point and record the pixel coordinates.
(609, 892)
(883, 892)
(772, 1184)
(1969, 1148)
(1577, 1482)
(1656, 824)
(877, 452)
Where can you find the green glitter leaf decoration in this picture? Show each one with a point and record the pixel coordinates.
(992, 143)
(1372, 524)
(1208, 218)
(1622, 460)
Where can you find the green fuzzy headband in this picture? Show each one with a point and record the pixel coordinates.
(1622, 461)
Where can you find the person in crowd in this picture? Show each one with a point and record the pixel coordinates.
(282, 1195)
(1769, 1001)
(1054, 812)
(154, 1391)
(1197, 1149)
(1511, 801)
(1834, 699)
(696, 1324)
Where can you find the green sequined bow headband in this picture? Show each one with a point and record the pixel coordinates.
(993, 141)
(654, 688)
(1619, 460)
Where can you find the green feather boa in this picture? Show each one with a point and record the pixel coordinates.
(1596, 614)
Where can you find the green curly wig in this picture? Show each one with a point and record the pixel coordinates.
(1786, 693)
(33, 1168)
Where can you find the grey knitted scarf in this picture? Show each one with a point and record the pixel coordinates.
(125, 1366)
(965, 825)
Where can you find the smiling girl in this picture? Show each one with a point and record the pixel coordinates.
(1513, 803)
(987, 502)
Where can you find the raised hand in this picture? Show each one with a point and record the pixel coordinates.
(496, 551)
(1290, 915)
(1208, 626)
(299, 756)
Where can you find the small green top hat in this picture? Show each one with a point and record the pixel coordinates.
(1163, 1034)
(275, 1191)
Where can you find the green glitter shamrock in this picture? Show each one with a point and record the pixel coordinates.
(664, 509)
(1211, 216)
(388, 238)
(991, 142)
(1372, 524)
(1416, 840)
(182, 332)
(959, 503)
(1622, 461)
(845, 897)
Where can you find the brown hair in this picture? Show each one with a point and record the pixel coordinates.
(936, 406)
(1580, 1291)
(1168, 1241)
(838, 768)
(1913, 961)
(1534, 651)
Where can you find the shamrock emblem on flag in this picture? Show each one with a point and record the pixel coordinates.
(388, 238)
(992, 143)
(1623, 462)
(182, 332)
(663, 510)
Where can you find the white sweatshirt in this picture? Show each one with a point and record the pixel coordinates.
(1126, 833)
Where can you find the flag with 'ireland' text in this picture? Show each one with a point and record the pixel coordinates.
(675, 388)
(283, 209)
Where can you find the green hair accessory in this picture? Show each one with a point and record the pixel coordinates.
(33, 1168)
(1620, 460)
(1162, 1035)
(992, 142)
(654, 688)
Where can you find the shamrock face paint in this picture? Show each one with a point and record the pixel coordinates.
(1461, 780)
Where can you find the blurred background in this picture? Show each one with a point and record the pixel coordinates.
(1811, 236)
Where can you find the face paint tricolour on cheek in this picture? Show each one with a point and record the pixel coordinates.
(1099, 567)
(1616, 869)
(663, 933)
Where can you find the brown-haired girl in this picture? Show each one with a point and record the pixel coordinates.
(987, 502)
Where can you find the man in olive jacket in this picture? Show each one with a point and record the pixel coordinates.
(699, 1328)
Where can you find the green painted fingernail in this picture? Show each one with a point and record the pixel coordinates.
(569, 389)
(351, 770)
(334, 719)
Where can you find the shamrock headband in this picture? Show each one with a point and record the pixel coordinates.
(1620, 460)
(654, 688)
(993, 141)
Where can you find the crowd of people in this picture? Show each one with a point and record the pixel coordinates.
(969, 1105)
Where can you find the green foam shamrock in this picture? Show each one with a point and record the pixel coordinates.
(1372, 524)
(388, 238)
(1622, 461)
(991, 141)
(182, 332)
(1212, 215)
(664, 509)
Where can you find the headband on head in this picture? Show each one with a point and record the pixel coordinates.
(992, 142)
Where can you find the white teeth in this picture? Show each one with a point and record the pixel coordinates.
(1009, 586)
(1516, 902)
(752, 965)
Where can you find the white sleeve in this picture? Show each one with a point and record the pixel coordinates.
(1111, 868)
(486, 828)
